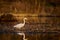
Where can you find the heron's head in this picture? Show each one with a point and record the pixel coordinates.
(25, 18)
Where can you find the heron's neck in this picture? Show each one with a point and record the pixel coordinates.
(24, 21)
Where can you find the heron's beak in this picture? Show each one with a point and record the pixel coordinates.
(26, 19)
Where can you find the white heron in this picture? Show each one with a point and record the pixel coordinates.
(19, 26)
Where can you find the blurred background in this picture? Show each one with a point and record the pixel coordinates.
(43, 19)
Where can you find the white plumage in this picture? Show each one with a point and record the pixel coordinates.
(20, 25)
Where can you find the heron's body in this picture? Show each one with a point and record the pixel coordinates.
(18, 26)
